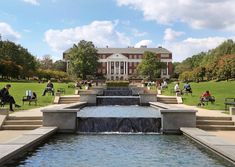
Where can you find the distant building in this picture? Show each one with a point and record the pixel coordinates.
(121, 63)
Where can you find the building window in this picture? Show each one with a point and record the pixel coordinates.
(130, 56)
(164, 71)
(130, 71)
(104, 71)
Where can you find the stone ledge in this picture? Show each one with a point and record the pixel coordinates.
(218, 145)
(20, 145)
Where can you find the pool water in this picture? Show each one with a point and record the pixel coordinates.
(65, 150)
(132, 111)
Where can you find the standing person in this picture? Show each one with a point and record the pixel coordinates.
(7, 98)
(50, 87)
(177, 89)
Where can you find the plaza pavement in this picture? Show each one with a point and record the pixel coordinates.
(6, 135)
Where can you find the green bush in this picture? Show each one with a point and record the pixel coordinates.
(117, 83)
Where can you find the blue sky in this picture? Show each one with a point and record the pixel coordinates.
(185, 27)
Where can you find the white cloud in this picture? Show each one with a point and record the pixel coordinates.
(32, 2)
(138, 33)
(214, 14)
(7, 32)
(170, 35)
(190, 46)
(102, 33)
(145, 42)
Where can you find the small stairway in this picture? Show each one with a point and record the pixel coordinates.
(215, 123)
(68, 99)
(22, 123)
(167, 99)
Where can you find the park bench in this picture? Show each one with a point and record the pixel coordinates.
(186, 92)
(206, 100)
(29, 99)
(61, 90)
(229, 101)
(71, 86)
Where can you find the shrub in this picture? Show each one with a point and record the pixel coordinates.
(117, 83)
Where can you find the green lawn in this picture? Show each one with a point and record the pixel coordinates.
(18, 90)
(220, 90)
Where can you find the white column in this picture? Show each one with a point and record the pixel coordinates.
(166, 68)
(114, 63)
(119, 71)
(107, 67)
(124, 68)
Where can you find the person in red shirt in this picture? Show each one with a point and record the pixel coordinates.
(205, 97)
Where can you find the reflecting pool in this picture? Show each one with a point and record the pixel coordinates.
(65, 150)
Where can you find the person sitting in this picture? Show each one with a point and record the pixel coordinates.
(49, 88)
(164, 85)
(205, 97)
(187, 88)
(78, 85)
(7, 98)
(177, 89)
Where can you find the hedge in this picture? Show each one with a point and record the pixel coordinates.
(117, 83)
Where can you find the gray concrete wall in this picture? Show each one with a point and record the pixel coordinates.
(89, 98)
(146, 98)
(98, 91)
(65, 121)
(137, 90)
(173, 120)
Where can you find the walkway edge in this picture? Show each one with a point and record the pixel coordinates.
(18, 146)
(218, 145)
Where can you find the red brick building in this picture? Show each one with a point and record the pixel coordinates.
(121, 63)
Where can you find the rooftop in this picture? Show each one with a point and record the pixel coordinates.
(129, 50)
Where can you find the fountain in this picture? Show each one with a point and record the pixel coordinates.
(118, 96)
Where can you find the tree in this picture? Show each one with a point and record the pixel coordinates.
(83, 59)
(226, 67)
(46, 62)
(15, 60)
(151, 66)
(59, 65)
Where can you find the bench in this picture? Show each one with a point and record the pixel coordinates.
(2, 104)
(186, 92)
(229, 101)
(29, 99)
(206, 100)
(61, 90)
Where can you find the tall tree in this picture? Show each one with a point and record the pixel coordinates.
(59, 65)
(151, 66)
(16, 60)
(46, 62)
(83, 59)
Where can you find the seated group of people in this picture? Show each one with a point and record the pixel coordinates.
(86, 83)
(187, 89)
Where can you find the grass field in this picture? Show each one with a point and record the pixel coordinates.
(18, 90)
(220, 90)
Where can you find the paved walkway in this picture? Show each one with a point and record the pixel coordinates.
(6, 135)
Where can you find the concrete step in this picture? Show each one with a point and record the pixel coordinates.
(20, 127)
(24, 118)
(216, 127)
(213, 118)
(23, 122)
(214, 122)
(167, 102)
